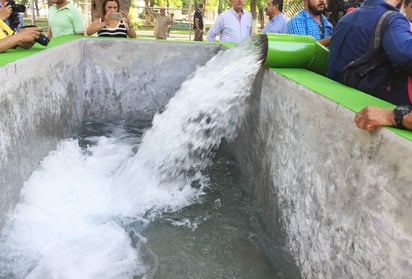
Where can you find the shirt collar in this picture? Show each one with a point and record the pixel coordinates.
(235, 13)
(64, 7)
(308, 16)
(276, 17)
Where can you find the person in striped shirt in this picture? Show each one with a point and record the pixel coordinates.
(110, 26)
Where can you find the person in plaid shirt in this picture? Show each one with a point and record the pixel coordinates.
(312, 22)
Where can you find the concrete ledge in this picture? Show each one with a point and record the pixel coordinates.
(348, 97)
(339, 195)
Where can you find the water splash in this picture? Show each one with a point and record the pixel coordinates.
(78, 212)
(63, 225)
(208, 107)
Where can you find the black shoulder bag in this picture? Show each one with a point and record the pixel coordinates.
(374, 74)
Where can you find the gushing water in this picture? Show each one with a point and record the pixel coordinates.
(81, 213)
(208, 107)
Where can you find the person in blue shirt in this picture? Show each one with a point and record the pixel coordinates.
(351, 38)
(233, 25)
(277, 20)
(312, 22)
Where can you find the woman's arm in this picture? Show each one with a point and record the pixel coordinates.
(95, 26)
(131, 33)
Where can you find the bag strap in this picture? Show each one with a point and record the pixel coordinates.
(380, 28)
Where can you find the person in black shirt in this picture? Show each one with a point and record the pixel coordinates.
(198, 23)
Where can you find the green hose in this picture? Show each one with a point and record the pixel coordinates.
(294, 51)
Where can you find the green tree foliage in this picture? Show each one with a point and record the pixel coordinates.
(222, 5)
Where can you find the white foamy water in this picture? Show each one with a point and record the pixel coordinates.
(73, 218)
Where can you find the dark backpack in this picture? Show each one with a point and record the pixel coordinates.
(373, 72)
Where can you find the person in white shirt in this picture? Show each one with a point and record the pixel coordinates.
(233, 25)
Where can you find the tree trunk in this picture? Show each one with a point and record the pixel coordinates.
(36, 7)
(254, 16)
(220, 7)
(253, 9)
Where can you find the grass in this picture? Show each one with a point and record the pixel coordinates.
(39, 22)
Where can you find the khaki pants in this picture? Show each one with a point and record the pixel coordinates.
(198, 35)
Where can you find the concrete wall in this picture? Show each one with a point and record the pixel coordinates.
(138, 80)
(339, 196)
(342, 196)
(37, 108)
(44, 97)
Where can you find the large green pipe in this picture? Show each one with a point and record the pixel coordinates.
(293, 51)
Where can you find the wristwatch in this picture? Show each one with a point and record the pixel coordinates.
(400, 112)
